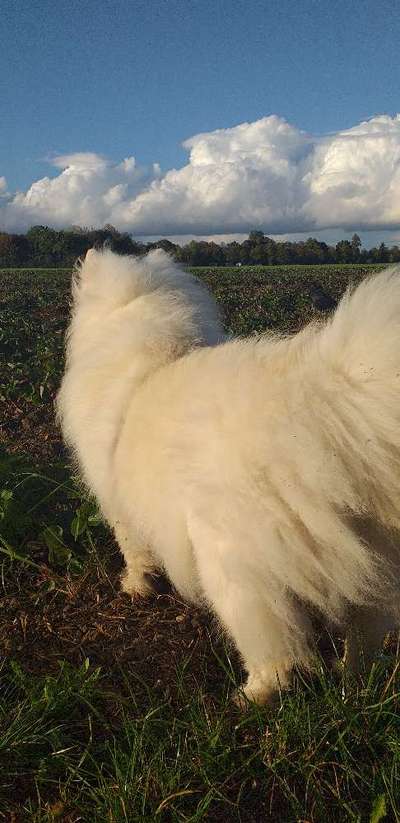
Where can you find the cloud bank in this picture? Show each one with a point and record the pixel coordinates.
(266, 174)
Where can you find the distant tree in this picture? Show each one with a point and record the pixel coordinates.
(189, 254)
(281, 254)
(257, 249)
(43, 245)
(14, 250)
(314, 251)
(379, 254)
(202, 253)
(259, 254)
(344, 251)
(273, 252)
(233, 253)
(215, 254)
(394, 254)
(356, 246)
(166, 245)
(111, 230)
(123, 244)
(256, 236)
(383, 253)
(70, 246)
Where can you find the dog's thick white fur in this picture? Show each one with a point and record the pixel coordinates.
(263, 474)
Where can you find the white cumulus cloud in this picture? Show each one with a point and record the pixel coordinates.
(267, 174)
(86, 192)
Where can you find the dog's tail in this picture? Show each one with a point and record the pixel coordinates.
(170, 310)
(363, 336)
(360, 352)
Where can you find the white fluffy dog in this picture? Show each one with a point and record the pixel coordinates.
(263, 474)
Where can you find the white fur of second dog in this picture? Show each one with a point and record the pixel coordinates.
(261, 474)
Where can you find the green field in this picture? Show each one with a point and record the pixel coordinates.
(113, 710)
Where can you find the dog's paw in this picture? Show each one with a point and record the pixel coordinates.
(137, 585)
(139, 578)
(263, 685)
(240, 700)
(244, 697)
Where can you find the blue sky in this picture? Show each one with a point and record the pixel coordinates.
(121, 79)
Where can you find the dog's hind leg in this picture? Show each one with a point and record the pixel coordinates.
(367, 626)
(139, 560)
(240, 601)
(365, 634)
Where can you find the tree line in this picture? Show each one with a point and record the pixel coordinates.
(44, 247)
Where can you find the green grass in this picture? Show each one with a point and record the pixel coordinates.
(98, 754)
(119, 711)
